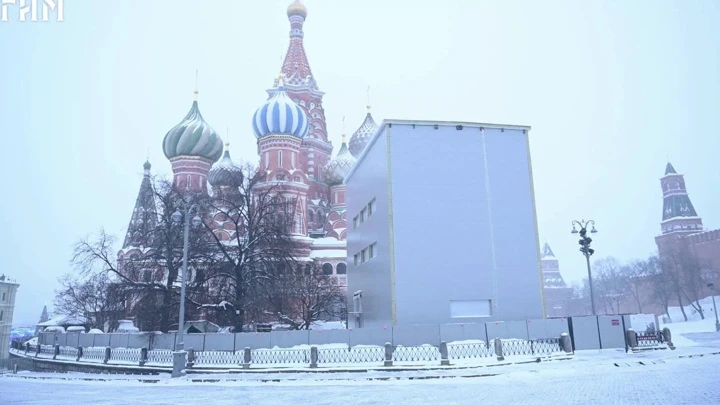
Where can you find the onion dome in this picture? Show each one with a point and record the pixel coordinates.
(362, 136)
(147, 166)
(193, 137)
(340, 166)
(225, 172)
(280, 116)
(297, 8)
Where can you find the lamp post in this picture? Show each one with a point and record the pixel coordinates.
(179, 354)
(708, 275)
(586, 251)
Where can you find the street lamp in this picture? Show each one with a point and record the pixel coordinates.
(179, 354)
(707, 276)
(586, 251)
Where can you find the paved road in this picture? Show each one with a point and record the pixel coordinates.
(676, 381)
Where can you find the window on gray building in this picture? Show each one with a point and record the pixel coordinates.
(470, 308)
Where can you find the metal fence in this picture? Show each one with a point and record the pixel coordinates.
(649, 339)
(313, 356)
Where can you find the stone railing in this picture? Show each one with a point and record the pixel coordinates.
(326, 356)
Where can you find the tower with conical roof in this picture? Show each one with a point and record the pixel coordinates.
(556, 292)
(143, 220)
(336, 170)
(300, 85)
(678, 216)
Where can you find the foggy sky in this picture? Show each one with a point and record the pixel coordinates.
(610, 88)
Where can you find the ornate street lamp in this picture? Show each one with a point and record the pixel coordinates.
(179, 359)
(586, 251)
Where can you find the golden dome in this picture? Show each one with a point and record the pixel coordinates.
(297, 8)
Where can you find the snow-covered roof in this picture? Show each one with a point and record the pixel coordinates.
(329, 254)
(63, 320)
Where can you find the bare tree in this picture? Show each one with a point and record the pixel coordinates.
(150, 274)
(660, 282)
(303, 295)
(255, 232)
(637, 276)
(95, 298)
(610, 284)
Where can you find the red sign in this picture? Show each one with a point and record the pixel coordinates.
(615, 322)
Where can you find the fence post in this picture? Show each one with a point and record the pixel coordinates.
(246, 357)
(107, 355)
(37, 350)
(632, 339)
(444, 360)
(79, 353)
(190, 358)
(565, 343)
(388, 355)
(27, 347)
(143, 356)
(313, 356)
(667, 335)
(56, 352)
(498, 349)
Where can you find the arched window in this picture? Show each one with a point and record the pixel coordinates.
(311, 217)
(341, 268)
(280, 177)
(327, 269)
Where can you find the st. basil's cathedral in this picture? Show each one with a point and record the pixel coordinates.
(293, 149)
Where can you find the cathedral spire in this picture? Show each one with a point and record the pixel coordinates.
(679, 215)
(295, 66)
(144, 217)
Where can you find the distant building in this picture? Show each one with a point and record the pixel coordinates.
(8, 289)
(683, 238)
(557, 294)
(442, 226)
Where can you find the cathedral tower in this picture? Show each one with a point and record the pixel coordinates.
(678, 215)
(280, 126)
(301, 87)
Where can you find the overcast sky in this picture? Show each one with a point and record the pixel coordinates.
(611, 89)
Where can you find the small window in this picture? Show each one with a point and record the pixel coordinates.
(3, 297)
(470, 309)
(280, 162)
(355, 223)
(357, 259)
(280, 177)
(362, 216)
(147, 276)
(327, 269)
(371, 207)
(341, 268)
(1, 315)
(363, 256)
(372, 250)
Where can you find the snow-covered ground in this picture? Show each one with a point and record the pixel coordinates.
(586, 380)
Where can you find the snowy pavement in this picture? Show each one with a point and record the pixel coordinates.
(590, 378)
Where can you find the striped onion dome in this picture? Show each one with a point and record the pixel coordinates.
(340, 166)
(363, 134)
(194, 137)
(280, 116)
(225, 172)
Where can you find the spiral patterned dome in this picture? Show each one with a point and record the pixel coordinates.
(193, 136)
(363, 134)
(280, 116)
(225, 172)
(297, 8)
(341, 164)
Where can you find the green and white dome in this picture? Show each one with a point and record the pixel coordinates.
(193, 137)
